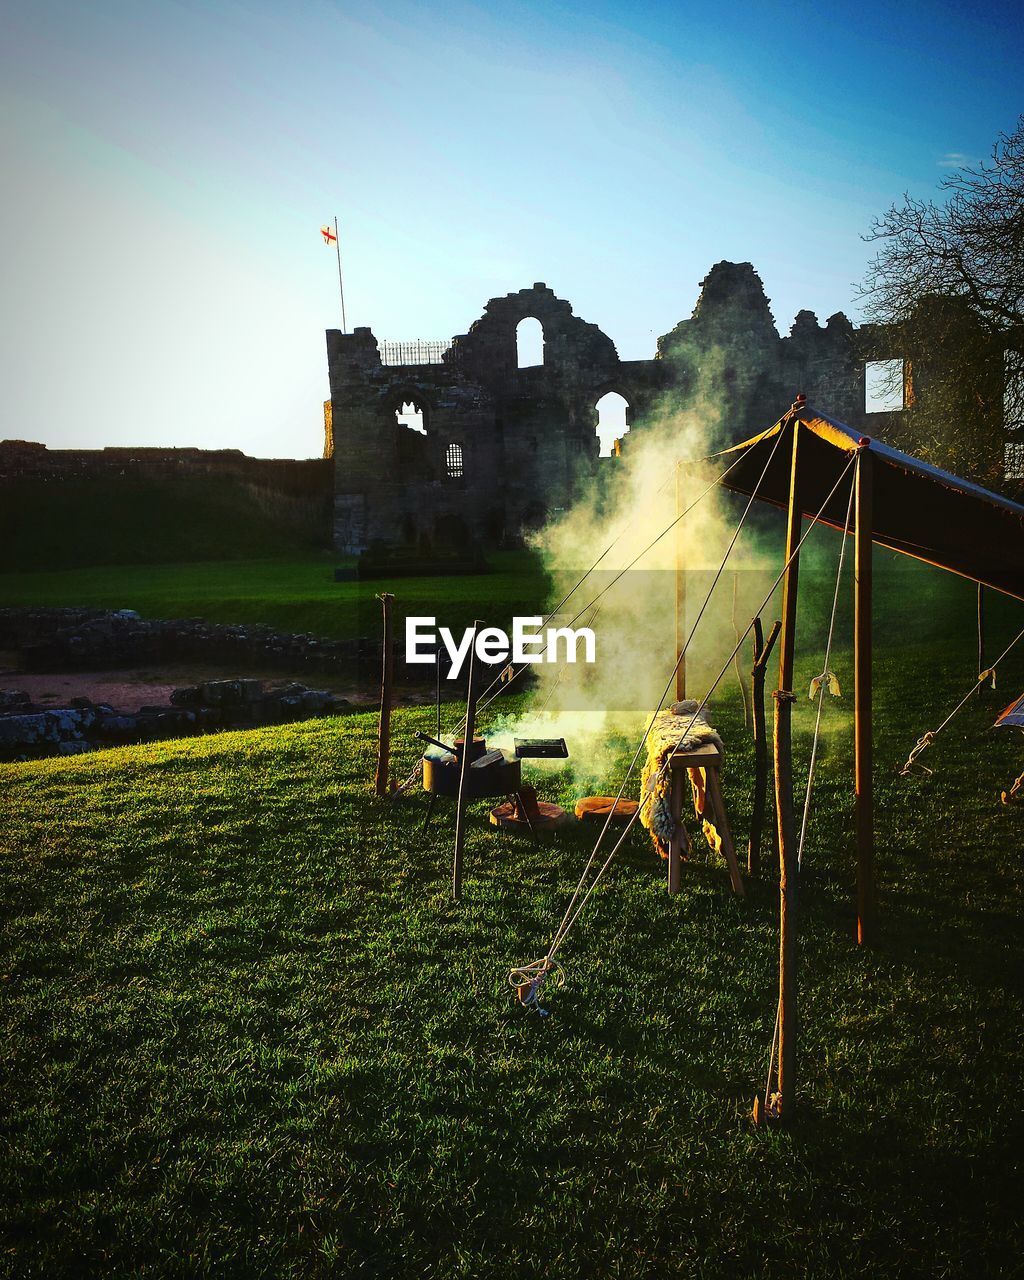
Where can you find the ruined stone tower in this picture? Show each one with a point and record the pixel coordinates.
(452, 443)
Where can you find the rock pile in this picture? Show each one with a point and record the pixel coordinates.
(93, 639)
(30, 732)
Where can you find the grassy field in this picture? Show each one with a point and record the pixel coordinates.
(125, 520)
(297, 593)
(248, 1033)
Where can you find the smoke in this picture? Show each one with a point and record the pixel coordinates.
(601, 708)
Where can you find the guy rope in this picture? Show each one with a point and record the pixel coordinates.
(529, 979)
(826, 681)
(913, 764)
(509, 674)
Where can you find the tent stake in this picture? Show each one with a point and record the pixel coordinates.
(862, 694)
(380, 780)
(464, 763)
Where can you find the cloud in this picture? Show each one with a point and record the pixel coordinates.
(956, 160)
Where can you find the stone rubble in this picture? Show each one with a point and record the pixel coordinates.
(29, 732)
(80, 639)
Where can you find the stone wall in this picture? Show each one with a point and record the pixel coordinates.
(103, 639)
(30, 732)
(527, 436)
(26, 459)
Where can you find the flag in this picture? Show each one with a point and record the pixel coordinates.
(328, 235)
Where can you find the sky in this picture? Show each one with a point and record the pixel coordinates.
(167, 167)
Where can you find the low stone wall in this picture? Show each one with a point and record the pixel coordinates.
(98, 639)
(29, 732)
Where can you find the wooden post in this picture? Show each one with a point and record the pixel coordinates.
(736, 656)
(785, 818)
(680, 593)
(464, 764)
(762, 652)
(437, 679)
(862, 745)
(981, 630)
(679, 840)
(380, 780)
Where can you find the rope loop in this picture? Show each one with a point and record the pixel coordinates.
(913, 765)
(528, 981)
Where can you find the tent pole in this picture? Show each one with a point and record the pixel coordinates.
(381, 777)
(465, 761)
(783, 745)
(862, 694)
(762, 652)
(680, 593)
(981, 629)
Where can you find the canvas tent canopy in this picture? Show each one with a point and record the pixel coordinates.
(918, 509)
(896, 501)
(1013, 716)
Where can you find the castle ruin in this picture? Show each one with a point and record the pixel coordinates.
(464, 441)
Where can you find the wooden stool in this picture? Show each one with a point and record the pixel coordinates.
(524, 810)
(595, 809)
(701, 766)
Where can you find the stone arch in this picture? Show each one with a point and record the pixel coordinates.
(529, 343)
(395, 405)
(411, 448)
(613, 416)
(572, 346)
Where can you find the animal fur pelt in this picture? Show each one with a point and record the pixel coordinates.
(667, 729)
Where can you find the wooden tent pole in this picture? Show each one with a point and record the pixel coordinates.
(464, 764)
(981, 629)
(380, 780)
(762, 652)
(785, 818)
(680, 592)
(862, 693)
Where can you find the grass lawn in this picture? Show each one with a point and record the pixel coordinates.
(121, 519)
(248, 1033)
(297, 593)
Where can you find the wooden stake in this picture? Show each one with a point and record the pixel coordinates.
(784, 699)
(437, 679)
(862, 745)
(736, 655)
(680, 593)
(464, 764)
(380, 780)
(762, 652)
(679, 840)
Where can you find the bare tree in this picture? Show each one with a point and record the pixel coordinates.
(946, 287)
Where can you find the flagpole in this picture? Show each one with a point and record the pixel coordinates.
(341, 283)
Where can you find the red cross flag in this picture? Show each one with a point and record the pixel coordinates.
(328, 235)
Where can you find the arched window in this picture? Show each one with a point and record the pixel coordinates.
(453, 461)
(411, 415)
(529, 343)
(611, 420)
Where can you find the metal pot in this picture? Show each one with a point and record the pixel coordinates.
(441, 774)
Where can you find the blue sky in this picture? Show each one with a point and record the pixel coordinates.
(167, 167)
